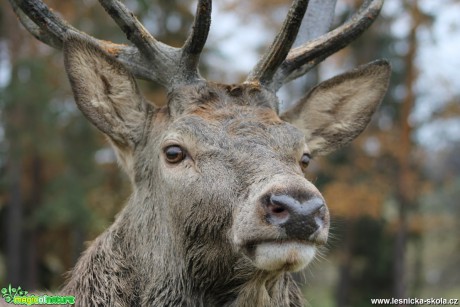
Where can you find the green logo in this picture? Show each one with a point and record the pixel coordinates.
(18, 296)
(9, 293)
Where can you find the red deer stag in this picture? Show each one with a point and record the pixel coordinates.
(221, 212)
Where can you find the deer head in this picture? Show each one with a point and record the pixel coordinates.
(221, 211)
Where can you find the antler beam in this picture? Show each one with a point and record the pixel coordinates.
(303, 58)
(148, 59)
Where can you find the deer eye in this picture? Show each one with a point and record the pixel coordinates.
(174, 154)
(304, 161)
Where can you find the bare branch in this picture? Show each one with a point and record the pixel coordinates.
(305, 57)
(266, 68)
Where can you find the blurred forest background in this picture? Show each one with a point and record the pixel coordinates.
(394, 194)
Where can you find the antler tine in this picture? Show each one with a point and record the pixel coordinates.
(46, 37)
(38, 19)
(303, 58)
(266, 68)
(193, 46)
(134, 30)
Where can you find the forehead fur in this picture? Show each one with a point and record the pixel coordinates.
(236, 115)
(232, 117)
(214, 95)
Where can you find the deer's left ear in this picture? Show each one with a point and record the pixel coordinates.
(337, 110)
(105, 91)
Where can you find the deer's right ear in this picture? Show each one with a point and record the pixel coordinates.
(337, 110)
(104, 91)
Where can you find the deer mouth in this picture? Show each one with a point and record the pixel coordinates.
(281, 255)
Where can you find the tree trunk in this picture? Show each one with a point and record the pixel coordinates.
(404, 193)
(14, 221)
(343, 285)
(33, 233)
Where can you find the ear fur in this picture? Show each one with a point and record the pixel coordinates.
(104, 91)
(337, 110)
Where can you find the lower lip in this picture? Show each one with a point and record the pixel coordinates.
(282, 256)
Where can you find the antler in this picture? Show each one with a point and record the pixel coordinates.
(148, 59)
(266, 68)
(152, 60)
(272, 71)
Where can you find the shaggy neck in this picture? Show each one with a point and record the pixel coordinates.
(269, 290)
(140, 264)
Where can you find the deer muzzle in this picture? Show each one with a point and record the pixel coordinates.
(283, 228)
(300, 220)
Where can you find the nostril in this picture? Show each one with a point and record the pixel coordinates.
(277, 210)
(276, 215)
